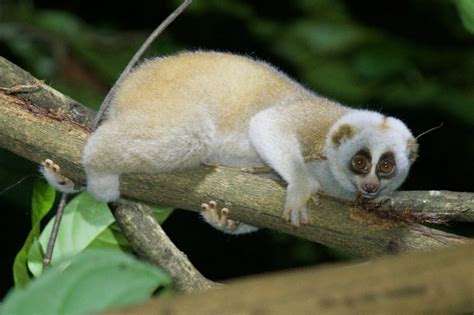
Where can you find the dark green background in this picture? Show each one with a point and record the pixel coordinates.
(411, 59)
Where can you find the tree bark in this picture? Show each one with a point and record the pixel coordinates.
(45, 124)
(435, 206)
(152, 244)
(440, 282)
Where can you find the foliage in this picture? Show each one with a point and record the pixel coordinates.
(466, 10)
(87, 225)
(93, 281)
(84, 220)
(42, 202)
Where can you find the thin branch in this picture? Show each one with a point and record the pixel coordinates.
(54, 232)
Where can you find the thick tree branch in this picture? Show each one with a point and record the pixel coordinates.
(151, 243)
(39, 127)
(441, 282)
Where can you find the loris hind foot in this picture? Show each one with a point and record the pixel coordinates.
(52, 172)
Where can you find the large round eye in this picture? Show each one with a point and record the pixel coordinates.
(360, 163)
(386, 167)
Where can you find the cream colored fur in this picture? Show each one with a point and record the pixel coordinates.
(176, 112)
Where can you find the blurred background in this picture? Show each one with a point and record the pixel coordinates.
(413, 59)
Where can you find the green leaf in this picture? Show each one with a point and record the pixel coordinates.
(42, 202)
(95, 280)
(112, 238)
(466, 11)
(84, 219)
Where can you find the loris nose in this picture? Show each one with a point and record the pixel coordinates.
(370, 187)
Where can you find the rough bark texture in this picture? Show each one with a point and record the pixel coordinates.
(435, 206)
(37, 128)
(44, 97)
(151, 243)
(441, 282)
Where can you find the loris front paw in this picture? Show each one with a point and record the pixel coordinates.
(219, 219)
(297, 197)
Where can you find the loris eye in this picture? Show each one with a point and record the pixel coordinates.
(386, 167)
(360, 164)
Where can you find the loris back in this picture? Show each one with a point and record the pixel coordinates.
(229, 88)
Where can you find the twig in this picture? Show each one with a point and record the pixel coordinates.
(17, 183)
(54, 232)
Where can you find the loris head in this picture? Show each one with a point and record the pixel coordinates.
(369, 153)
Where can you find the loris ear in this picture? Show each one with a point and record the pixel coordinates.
(412, 148)
(343, 132)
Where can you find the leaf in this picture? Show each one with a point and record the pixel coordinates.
(466, 11)
(95, 280)
(112, 238)
(42, 202)
(84, 219)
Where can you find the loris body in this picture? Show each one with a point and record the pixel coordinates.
(177, 112)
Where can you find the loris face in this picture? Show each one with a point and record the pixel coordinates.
(370, 154)
(370, 175)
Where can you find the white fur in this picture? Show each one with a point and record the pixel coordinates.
(104, 187)
(234, 149)
(281, 150)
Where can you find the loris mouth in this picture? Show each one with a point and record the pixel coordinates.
(367, 195)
